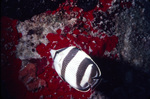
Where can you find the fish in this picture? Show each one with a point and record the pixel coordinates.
(76, 68)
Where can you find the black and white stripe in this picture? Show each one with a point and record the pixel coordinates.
(76, 67)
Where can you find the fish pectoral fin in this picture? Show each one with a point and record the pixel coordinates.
(62, 78)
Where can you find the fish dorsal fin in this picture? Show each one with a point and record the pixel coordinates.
(55, 52)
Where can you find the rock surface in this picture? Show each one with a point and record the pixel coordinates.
(28, 75)
(132, 27)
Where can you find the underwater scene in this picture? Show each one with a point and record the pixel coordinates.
(75, 49)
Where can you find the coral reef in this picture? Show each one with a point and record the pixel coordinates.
(134, 33)
(115, 33)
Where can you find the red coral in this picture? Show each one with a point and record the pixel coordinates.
(41, 49)
(66, 29)
(58, 31)
(76, 31)
(53, 37)
(105, 4)
(111, 43)
(89, 15)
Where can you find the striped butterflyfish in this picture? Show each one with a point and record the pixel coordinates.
(76, 68)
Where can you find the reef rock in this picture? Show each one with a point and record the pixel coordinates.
(132, 26)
